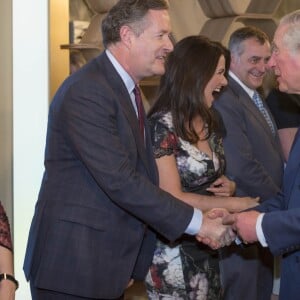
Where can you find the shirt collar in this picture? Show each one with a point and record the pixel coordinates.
(129, 83)
(249, 91)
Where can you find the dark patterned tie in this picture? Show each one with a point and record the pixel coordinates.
(140, 109)
(259, 103)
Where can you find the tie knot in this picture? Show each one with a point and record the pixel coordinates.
(257, 100)
(256, 96)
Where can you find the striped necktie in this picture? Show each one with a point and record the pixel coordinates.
(259, 103)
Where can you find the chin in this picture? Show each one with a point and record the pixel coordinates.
(159, 71)
(255, 82)
(258, 83)
(209, 103)
(283, 88)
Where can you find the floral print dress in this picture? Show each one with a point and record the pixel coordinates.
(5, 237)
(185, 269)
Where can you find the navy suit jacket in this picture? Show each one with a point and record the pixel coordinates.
(253, 155)
(281, 226)
(99, 205)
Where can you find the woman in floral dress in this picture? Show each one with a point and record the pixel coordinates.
(187, 144)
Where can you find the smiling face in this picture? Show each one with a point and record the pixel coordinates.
(216, 83)
(286, 63)
(148, 50)
(250, 66)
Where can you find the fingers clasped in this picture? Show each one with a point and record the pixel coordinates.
(213, 232)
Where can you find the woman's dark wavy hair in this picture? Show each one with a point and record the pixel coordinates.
(181, 91)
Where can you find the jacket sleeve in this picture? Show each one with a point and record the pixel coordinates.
(282, 230)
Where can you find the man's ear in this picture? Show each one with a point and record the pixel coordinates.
(233, 60)
(126, 34)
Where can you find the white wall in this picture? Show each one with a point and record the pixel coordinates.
(6, 109)
(30, 107)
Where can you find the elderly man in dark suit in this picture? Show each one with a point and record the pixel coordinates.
(99, 206)
(253, 156)
(276, 224)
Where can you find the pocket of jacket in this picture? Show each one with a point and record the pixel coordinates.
(87, 216)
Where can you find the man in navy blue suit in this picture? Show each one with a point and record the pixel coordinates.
(99, 205)
(276, 222)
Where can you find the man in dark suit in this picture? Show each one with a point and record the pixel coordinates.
(276, 224)
(99, 206)
(285, 109)
(253, 158)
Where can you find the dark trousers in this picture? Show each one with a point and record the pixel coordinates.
(246, 272)
(41, 294)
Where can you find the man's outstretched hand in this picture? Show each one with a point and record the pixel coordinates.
(213, 232)
(244, 224)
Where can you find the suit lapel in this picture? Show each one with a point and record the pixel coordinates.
(150, 155)
(144, 150)
(251, 107)
(133, 121)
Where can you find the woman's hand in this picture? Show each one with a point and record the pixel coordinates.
(222, 187)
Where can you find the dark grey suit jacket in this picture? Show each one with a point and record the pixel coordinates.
(253, 156)
(99, 191)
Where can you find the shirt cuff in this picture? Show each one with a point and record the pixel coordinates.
(259, 231)
(195, 224)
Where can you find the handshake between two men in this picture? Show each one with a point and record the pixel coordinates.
(220, 228)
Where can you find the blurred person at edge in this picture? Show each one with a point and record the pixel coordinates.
(8, 283)
(285, 109)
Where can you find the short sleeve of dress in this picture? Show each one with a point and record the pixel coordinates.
(164, 141)
(5, 237)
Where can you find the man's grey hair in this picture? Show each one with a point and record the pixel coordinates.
(291, 37)
(237, 38)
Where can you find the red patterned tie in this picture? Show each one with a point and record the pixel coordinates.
(140, 109)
